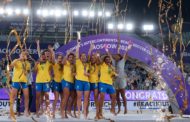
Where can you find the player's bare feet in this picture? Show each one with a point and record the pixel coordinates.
(101, 117)
(96, 118)
(125, 112)
(26, 113)
(53, 115)
(118, 111)
(75, 115)
(37, 115)
(78, 115)
(113, 112)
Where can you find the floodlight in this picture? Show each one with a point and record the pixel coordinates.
(120, 26)
(91, 14)
(9, 11)
(18, 11)
(39, 12)
(45, 13)
(148, 27)
(108, 14)
(26, 11)
(2, 11)
(75, 12)
(64, 12)
(58, 13)
(84, 13)
(100, 13)
(110, 26)
(52, 12)
(129, 26)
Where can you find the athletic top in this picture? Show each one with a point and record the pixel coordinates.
(43, 72)
(80, 70)
(20, 71)
(67, 72)
(106, 74)
(120, 68)
(94, 72)
(57, 71)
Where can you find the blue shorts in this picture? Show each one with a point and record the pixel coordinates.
(51, 85)
(69, 85)
(93, 86)
(82, 85)
(43, 87)
(106, 88)
(57, 86)
(19, 85)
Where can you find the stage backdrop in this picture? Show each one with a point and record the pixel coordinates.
(143, 52)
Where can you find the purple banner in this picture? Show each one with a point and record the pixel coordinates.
(135, 95)
(146, 95)
(141, 95)
(4, 94)
(131, 95)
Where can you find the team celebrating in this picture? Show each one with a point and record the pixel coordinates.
(72, 78)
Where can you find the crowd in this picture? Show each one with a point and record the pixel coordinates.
(3, 77)
(138, 78)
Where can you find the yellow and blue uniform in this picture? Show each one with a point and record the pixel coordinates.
(106, 81)
(20, 72)
(82, 81)
(57, 71)
(43, 76)
(94, 76)
(67, 76)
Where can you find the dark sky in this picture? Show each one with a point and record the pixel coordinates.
(139, 10)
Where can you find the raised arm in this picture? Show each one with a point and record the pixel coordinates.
(77, 50)
(50, 48)
(13, 63)
(90, 51)
(36, 66)
(38, 48)
(109, 54)
(130, 45)
(78, 44)
(99, 60)
(118, 49)
(118, 45)
(31, 58)
(65, 57)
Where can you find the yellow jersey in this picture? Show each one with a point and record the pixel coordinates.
(20, 71)
(106, 73)
(57, 71)
(94, 73)
(68, 72)
(43, 72)
(80, 70)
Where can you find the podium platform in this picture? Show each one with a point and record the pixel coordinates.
(146, 116)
